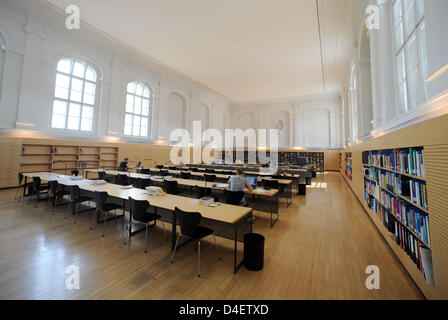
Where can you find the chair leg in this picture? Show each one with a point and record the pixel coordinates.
(76, 211)
(105, 219)
(146, 239)
(199, 258)
(175, 248)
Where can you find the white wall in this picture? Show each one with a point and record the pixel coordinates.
(294, 115)
(35, 40)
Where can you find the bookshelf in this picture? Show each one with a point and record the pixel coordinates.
(348, 166)
(395, 190)
(61, 158)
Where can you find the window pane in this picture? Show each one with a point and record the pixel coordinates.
(139, 90)
(409, 17)
(61, 93)
(86, 124)
(398, 25)
(132, 87)
(74, 110)
(144, 127)
(65, 65)
(130, 103)
(89, 93)
(420, 9)
(146, 92)
(412, 54)
(76, 92)
(138, 105)
(58, 121)
(62, 81)
(145, 107)
(401, 72)
(79, 69)
(128, 130)
(59, 107)
(136, 127)
(73, 123)
(91, 74)
(87, 112)
(402, 97)
(128, 119)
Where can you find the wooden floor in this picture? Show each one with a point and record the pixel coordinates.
(319, 249)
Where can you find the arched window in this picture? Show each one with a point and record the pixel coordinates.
(138, 109)
(74, 95)
(2, 60)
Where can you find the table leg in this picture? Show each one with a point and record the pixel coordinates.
(173, 230)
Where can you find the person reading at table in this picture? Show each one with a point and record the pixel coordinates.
(239, 183)
(123, 165)
(282, 173)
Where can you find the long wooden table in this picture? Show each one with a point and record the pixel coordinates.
(232, 216)
(272, 195)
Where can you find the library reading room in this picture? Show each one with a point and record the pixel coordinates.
(261, 150)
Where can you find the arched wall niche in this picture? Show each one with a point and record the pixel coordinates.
(317, 127)
(176, 112)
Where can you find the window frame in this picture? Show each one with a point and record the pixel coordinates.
(408, 102)
(68, 101)
(149, 116)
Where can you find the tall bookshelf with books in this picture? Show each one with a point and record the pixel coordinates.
(348, 166)
(395, 190)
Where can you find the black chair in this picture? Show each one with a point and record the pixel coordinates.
(210, 177)
(202, 192)
(122, 179)
(76, 199)
(38, 188)
(194, 169)
(164, 173)
(145, 171)
(75, 172)
(160, 166)
(171, 187)
(20, 192)
(101, 175)
(234, 197)
(143, 183)
(209, 170)
(173, 168)
(270, 184)
(56, 191)
(190, 228)
(103, 206)
(139, 213)
(185, 175)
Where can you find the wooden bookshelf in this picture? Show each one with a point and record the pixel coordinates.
(61, 158)
(348, 166)
(385, 202)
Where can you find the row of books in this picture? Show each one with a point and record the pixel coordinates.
(416, 250)
(372, 188)
(389, 201)
(409, 161)
(418, 193)
(414, 219)
(390, 181)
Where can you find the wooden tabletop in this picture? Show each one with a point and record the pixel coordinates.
(223, 213)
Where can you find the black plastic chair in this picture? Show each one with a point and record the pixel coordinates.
(210, 177)
(185, 175)
(194, 169)
(145, 171)
(101, 175)
(20, 192)
(143, 183)
(190, 228)
(173, 168)
(139, 213)
(38, 187)
(122, 179)
(209, 170)
(234, 197)
(76, 199)
(270, 184)
(56, 191)
(164, 173)
(103, 206)
(202, 192)
(75, 172)
(160, 166)
(171, 186)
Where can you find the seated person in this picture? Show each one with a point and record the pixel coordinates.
(282, 173)
(123, 165)
(239, 183)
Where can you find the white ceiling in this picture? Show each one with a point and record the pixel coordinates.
(246, 50)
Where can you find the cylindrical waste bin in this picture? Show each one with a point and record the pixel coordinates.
(253, 251)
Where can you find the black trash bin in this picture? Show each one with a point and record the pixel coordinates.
(253, 251)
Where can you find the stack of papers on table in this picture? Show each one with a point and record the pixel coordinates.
(126, 187)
